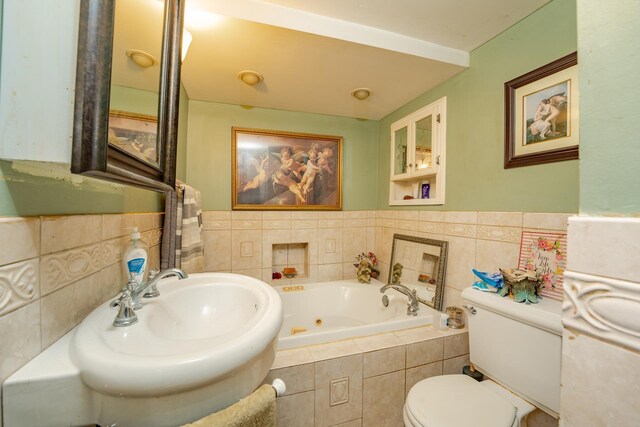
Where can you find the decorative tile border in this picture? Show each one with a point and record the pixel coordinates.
(460, 230)
(18, 285)
(152, 237)
(500, 234)
(603, 308)
(61, 268)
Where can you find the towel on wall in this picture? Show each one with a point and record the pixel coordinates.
(256, 410)
(189, 246)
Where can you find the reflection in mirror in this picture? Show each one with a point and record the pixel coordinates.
(135, 78)
(400, 162)
(424, 137)
(423, 265)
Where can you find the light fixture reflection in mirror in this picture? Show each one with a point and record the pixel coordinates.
(141, 58)
(424, 264)
(187, 38)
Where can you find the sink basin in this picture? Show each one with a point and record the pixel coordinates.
(197, 331)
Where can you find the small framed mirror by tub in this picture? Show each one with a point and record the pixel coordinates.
(420, 262)
(127, 91)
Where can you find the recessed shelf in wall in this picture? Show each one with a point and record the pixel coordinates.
(291, 255)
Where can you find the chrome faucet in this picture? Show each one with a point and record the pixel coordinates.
(137, 294)
(131, 297)
(412, 305)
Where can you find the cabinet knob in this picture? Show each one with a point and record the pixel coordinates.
(410, 164)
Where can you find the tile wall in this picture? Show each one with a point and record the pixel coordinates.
(242, 242)
(601, 320)
(481, 240)
(54, 270)
(364, 381)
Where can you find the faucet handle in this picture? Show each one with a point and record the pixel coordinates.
(152, 291)
(126, 315)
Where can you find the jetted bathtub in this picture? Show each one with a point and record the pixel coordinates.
(330, 311)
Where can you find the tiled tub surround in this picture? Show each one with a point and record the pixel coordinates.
(363, 381)
(242, 242)
(54, 270)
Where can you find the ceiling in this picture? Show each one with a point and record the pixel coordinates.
(313, 54)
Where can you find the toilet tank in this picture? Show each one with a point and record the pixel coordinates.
(517, 345)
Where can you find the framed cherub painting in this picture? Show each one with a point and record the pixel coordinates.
(274, 170)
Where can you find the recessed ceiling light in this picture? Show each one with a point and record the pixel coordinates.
(142, 58)
(250, 77)
(361, 93)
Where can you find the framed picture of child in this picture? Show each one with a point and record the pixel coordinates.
(278, 170)
(541, 115)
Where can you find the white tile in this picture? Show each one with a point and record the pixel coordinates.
(505, 219)
(19, 285)
(335, 369)
(65, 308)
(217, 250)
(354, 243)
(59, 233)
(546, 221)
(500, 234)
(461, 217)
(118, 225)
(461, 259)
(20, 332)
(329, 272)
(245, 250)
(490, 256)
(604, 246)
(590, 365)
(383, 400)
(330, 245)
(61, 268)
(216, 220)
(432, 216)
(24, 237)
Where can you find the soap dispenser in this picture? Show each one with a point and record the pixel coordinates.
(135, 259)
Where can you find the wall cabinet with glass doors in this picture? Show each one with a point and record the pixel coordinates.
(418, 157)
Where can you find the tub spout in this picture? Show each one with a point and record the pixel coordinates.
(412, 305)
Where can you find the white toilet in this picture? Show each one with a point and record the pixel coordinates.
(517, 347)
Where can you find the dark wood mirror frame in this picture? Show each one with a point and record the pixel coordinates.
(92, 154)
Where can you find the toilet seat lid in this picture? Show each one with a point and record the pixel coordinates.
(457, 401)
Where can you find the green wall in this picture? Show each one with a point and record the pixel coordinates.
(209, 149)
(33, 188)
(28, 189)
(609, 60)
(134, 100)
(475, 177)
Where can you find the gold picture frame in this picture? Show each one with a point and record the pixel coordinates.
(541, 115)
(135, 134)
(276, 170)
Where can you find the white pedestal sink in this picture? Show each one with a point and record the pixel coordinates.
(203, 344)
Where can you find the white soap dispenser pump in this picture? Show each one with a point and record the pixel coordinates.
(135, 258)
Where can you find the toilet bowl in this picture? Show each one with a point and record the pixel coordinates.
(518, 346)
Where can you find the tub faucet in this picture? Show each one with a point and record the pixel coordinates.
(412, 305)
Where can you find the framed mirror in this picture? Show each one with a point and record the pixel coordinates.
(126, 114)
(423, 264)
